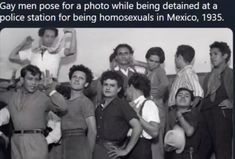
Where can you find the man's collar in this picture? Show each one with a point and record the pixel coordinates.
(140, 99)
(185, 68)
(129, 68)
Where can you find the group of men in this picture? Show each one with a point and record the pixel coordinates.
(123, 120)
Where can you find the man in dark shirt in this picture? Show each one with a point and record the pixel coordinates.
(189, 119)
(114, 118)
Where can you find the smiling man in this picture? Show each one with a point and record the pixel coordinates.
(47, 55)
(28, 109)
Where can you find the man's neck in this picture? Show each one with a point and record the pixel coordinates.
(108, 100)
(125, 67)
(136, 95)
(221, 67)
(76, 93)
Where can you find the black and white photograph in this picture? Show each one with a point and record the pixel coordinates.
(116, 93)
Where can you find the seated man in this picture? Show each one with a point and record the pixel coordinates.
(184, 115)
(137, 91)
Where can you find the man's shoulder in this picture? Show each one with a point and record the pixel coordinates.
(86, 100)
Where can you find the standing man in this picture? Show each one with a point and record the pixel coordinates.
(124, 55)
(217, 106)
(138, 90)
(114, 118)
(78, 125)
(28, 109)
(47, 55)
(186, 76)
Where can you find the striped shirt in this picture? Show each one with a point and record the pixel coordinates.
(186, 78)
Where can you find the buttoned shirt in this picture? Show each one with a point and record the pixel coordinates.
(186, 78)
(46, 61)
(126, 74)
(113, 120)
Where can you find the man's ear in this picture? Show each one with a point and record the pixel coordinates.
(119, 89)
(21, 80)
(86, 84)
(225, 56)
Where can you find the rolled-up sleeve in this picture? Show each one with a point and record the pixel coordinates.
(57, 104)
(25, 54)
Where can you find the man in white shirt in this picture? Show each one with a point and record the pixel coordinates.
(50, 51)
(47, 57)
(137, 91)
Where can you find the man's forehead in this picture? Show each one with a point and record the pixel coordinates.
(49, 31)
(123, 50)
(184, 92)
(110, 81)
(30, 74)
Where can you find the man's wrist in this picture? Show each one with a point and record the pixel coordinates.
(52, 92)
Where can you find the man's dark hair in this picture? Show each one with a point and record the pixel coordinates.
(123, 45)
(223, 47)
(113, 75)
(42, 31)
(82, 68)
(156, 51)
(64, 89)
(34, 70)
(140, 82)
(112, 57)
(185, 89)
(187, 52)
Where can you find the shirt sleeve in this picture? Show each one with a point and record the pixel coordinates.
(55, 135)
(193, 118)
(88, 109)
(150, 112)
(192, 78)
(57, 104)
(61, 52)
(25, 54)
(128, 111)
(4, 116)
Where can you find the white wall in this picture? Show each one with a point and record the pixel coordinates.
(96, 44)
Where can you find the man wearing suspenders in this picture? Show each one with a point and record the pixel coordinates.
(137, 91)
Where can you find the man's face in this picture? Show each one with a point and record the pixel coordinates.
(48, 38)
(78, 80)
(110, 88)
(123, 56)
(153, 62)
(183, 98)
(217, 58)
(30, 82)
(129, 93)
(177, 61)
